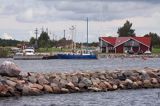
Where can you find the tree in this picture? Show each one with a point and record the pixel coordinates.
(126, 30)
(32, 41)
(155, 39)
(43, 40)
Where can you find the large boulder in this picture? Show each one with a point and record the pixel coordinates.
(9, 68)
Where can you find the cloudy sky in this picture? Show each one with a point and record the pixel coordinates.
(19, 18)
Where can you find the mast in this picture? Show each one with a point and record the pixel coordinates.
(64, 33)
(36, 42)
(87, 33)
(72, 33)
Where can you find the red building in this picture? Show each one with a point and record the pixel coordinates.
(125, 44)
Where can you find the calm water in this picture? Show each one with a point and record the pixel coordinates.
(77, 65)
(144, 97)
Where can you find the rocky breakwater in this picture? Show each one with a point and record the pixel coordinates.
(14, 83)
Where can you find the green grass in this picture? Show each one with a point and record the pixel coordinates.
(42, 50)
(156, 50)
(4, 52)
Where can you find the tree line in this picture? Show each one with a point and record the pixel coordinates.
(10, 42)
(44, 41)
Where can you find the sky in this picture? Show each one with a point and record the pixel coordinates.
(19, 18)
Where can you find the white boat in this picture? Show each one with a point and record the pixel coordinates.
(147, 52)
(27, 54)
(29, 51)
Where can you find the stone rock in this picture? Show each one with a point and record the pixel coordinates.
(135, 85)
(26, 90)
(77, 89)
(41, 80)
(133, 78)
(154, 80)
(102, 85)
(152, 74)
(19, 87)
(75, 80)
(128, 74)
(121, 86)
(48, 89)
(3, 90)
(95, 81)
(32, 79)
(69, 78)
(70, 85)
(63, 83)
(54, 79)
(55, 88)
(38, 86)
(139, 83)
(147, 84)
(121, 77)
(64, 90)
(81, 85)
(20, 81)
(115, 87)
(10, 83)
(144, 75)
(102, 77)
(63, 76)
(109, 86)
(11, 90)
(128, 81)
(35, 91)
(94, 89)
(9, 68)
(85, 82)
(53, 85)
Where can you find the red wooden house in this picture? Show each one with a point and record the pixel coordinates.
(125, 44)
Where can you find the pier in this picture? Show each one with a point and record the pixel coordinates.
(14, 82)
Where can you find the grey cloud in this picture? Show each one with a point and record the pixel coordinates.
(53, 10)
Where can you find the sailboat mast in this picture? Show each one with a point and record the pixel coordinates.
(87, 33)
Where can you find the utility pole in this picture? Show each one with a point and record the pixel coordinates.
(47, 30)
(42, 29)
(36, 42)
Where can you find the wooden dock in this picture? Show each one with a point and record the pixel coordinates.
(28, 57)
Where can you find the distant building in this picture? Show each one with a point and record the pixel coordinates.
(125, 44)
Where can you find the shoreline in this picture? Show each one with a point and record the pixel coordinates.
(33, 83)
(113, 56)
(128, 56)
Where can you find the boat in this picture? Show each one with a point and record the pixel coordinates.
(82, 55)
(77, 56)
(27, 54)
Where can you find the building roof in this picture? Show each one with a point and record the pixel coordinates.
(116, 41)
(110, 40)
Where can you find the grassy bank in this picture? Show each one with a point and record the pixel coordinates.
(4, 52)
(156, 50)
(42, 50)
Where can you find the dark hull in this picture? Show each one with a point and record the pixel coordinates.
(50, 57)
(75, 56)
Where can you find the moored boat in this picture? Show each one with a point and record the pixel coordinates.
(27, 54)
(76, 56)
